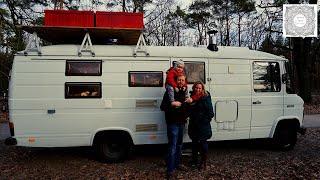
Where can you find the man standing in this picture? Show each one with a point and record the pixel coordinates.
(175, 115)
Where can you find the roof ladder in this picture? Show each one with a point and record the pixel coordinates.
(86, 46)
(141, 46)
(33, 45)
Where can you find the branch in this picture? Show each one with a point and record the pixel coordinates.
(274, 31)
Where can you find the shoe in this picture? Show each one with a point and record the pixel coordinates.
(194, 163)
(203, 163)
(182, 168)
(169, 176)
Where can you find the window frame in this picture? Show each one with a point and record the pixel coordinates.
(265, 61)
(198, 62)
(82, 83)
(83, 61)
(160, 84)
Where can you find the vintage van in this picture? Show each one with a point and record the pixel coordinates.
(111, 100)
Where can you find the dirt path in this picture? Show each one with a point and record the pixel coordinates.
(227, 160)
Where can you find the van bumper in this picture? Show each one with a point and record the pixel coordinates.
(10, 141)
(302, 130)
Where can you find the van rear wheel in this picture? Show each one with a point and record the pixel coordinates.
(112, 150)
(285, 137)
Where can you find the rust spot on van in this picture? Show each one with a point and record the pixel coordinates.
(32, 139)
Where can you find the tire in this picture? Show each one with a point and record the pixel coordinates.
(112, 150)
(285, 137)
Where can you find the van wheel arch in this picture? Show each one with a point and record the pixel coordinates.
(112, 146)
(285, 135)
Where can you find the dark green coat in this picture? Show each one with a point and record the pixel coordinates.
(201, 113)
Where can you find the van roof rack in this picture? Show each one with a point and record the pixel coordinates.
(33, 45)
(73, 35)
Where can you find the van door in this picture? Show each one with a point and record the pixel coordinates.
(267, 97)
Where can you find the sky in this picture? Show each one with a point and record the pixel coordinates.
(184, 3)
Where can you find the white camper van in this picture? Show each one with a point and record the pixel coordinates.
(111, 100)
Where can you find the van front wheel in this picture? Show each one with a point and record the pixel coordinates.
(285, 137)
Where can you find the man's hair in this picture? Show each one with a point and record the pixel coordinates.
(180, 75)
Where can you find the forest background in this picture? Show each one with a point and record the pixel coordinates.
(245, 23)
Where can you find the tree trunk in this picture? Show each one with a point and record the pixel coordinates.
(123, 5)
(301, 59)
(227, 25)
(200, 35)
(239, 31)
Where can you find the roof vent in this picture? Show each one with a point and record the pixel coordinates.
(212, 40)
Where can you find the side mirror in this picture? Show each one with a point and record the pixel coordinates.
(4, 108)
(284, 78)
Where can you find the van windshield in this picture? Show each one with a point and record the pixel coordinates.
(289, 74)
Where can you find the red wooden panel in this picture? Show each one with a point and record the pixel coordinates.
(69, 18)
(119, 20)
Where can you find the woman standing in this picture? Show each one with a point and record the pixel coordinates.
(199, 128)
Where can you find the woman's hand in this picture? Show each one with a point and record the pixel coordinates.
(189, 100)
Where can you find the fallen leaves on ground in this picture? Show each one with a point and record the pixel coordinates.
(244, 159)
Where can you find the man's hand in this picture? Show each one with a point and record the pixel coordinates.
(176, 89)
(189, 100)
(176, 104)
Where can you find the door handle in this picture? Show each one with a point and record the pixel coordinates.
(256, 102)
(51, 111)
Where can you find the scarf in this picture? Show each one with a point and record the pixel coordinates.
(196, 97)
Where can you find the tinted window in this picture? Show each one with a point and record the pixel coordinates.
(195, 71)
(83, 90)
(266, 77)
(83, 68)
(145, 79)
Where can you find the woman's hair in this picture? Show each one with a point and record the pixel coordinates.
(204, 92)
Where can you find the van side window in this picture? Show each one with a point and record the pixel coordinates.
(82, 90)
(145, 78)
(195, 71)
(266, 77)
(83, 68)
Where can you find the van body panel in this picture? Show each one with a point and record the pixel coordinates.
(293, 106)
(43, 117)
(231, 89)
